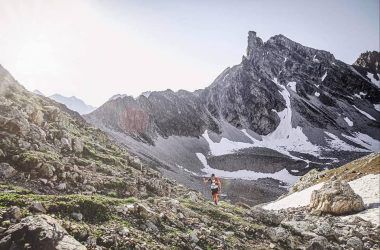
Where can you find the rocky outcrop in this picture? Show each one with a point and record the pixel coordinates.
(336, 197)
(38, 232)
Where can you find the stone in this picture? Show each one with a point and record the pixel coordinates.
(61, 186)
(66, 144)
(19, 126)
(37, 207)
(13, 214)
(355, 243)
(52, 113)
(278, 234)
(318, 243)
(37, 117)
(90, 188)
(6, 171)
(77, 216)
(77, 145)
(39, 232)
(337, 198)
(43, 180)
(46, 170)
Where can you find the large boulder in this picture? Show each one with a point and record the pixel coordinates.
(39, 232)
(337, 198)
(6, 171)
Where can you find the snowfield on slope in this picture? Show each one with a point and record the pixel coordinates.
(283, 139)
(368, 187)
(282, 175)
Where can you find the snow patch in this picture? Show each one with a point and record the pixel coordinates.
(364, 113)
(368, 187)
(317, 94)
(282, 175)
(186, 170)
(315, 59)
(338, 144)
(293, 86)
(373, 80)
(224, 78)
(357, 96)
(364, 140)
(324, 76)
(377, 107)
(348, 121)
(225, 146)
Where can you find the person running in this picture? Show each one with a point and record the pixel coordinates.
(216, 187)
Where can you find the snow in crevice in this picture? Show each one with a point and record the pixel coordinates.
(186, 170)
(368, 187)
(282, 175)
(324, 76)
(364, 140)
(364, 113)
(293, 86)
(283, 139)
(339, 144)
(348, 121)
(315, 59)
(224, 78)
(373, 80)
(377, 107)
(317, 94)
(357, 96)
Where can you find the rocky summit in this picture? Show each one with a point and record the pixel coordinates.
(285, 109)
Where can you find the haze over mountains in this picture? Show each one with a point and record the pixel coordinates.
(284, 109)
(73, 103)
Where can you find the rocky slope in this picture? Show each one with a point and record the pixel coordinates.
(65, 185)
(286, 106)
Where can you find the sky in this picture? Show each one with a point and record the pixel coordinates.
(94, 49)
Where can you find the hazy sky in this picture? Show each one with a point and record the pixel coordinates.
(95, 49)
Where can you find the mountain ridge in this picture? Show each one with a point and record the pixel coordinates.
(298, 101)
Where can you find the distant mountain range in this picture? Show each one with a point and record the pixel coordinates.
(73, 103)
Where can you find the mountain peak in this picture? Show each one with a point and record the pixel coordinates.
(254, 44)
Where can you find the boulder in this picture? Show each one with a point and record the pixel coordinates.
(37, 117)
(46, 171)
(337, 198)
(355, 243)
(6, 171)
(37, 207)
(52, 113)
(77, 145)
(13, 214)
(19, 126)
(39, 232)
(77, 216)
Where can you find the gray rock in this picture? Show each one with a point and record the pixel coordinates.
(77, 145)
(318, 243)
(278, 234)
(61, 186)
(13, 214)
(40, 232)
(77, 216)
(46, 171)
(355, 243)
(37, 207)
(6, 171)
(336, 197)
